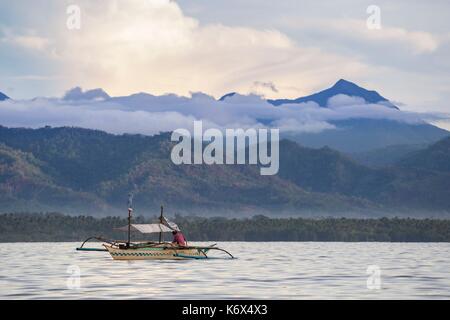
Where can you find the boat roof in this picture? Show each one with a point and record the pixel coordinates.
(147, 228)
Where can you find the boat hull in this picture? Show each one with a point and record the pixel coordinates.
(156, 253)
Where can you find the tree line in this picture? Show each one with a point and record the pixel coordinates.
(42, 227)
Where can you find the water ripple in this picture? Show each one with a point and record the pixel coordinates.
(295, 270)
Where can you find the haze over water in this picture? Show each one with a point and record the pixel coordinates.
(262, 270)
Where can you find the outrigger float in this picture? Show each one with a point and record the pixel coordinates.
(150, 250)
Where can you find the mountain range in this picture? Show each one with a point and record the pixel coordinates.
(354, 132)
(358, 135)
(362, 167)
(89, 171)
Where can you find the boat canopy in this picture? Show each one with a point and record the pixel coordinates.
(170, 224)
(148, 228)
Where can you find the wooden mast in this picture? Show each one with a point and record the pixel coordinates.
(130, 210)
(161, 221)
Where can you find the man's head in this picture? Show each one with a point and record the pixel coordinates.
(174, 232)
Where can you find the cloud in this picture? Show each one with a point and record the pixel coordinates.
(153, 46)
(41, 112)
(418, 42)
(78, 94)
(260, 87)
(340, 100)
(299, 126)
(148, 114)
(29, 40)
(167, 46)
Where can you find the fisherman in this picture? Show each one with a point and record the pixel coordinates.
(178, 238)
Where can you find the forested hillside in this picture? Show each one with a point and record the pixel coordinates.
(85, 171)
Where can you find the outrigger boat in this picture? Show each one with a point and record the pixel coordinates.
(150, 250)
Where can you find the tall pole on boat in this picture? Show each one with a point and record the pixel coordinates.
(130, 210)
(161, 221)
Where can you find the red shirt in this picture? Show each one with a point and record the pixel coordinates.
(179, 239)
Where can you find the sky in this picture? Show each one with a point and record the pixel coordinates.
(274, 49)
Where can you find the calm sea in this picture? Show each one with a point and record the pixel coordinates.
(272, 270)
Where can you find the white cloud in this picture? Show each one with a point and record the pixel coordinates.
(152, 46)
(418, 42)
(32, 42)
(148, 114)
(299, 126)
(342, 100)
(28, 40)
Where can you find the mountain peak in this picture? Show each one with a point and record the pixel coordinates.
(342, 86)
(342, 83)
(3, 96)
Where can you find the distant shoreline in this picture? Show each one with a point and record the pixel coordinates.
(57, 227)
